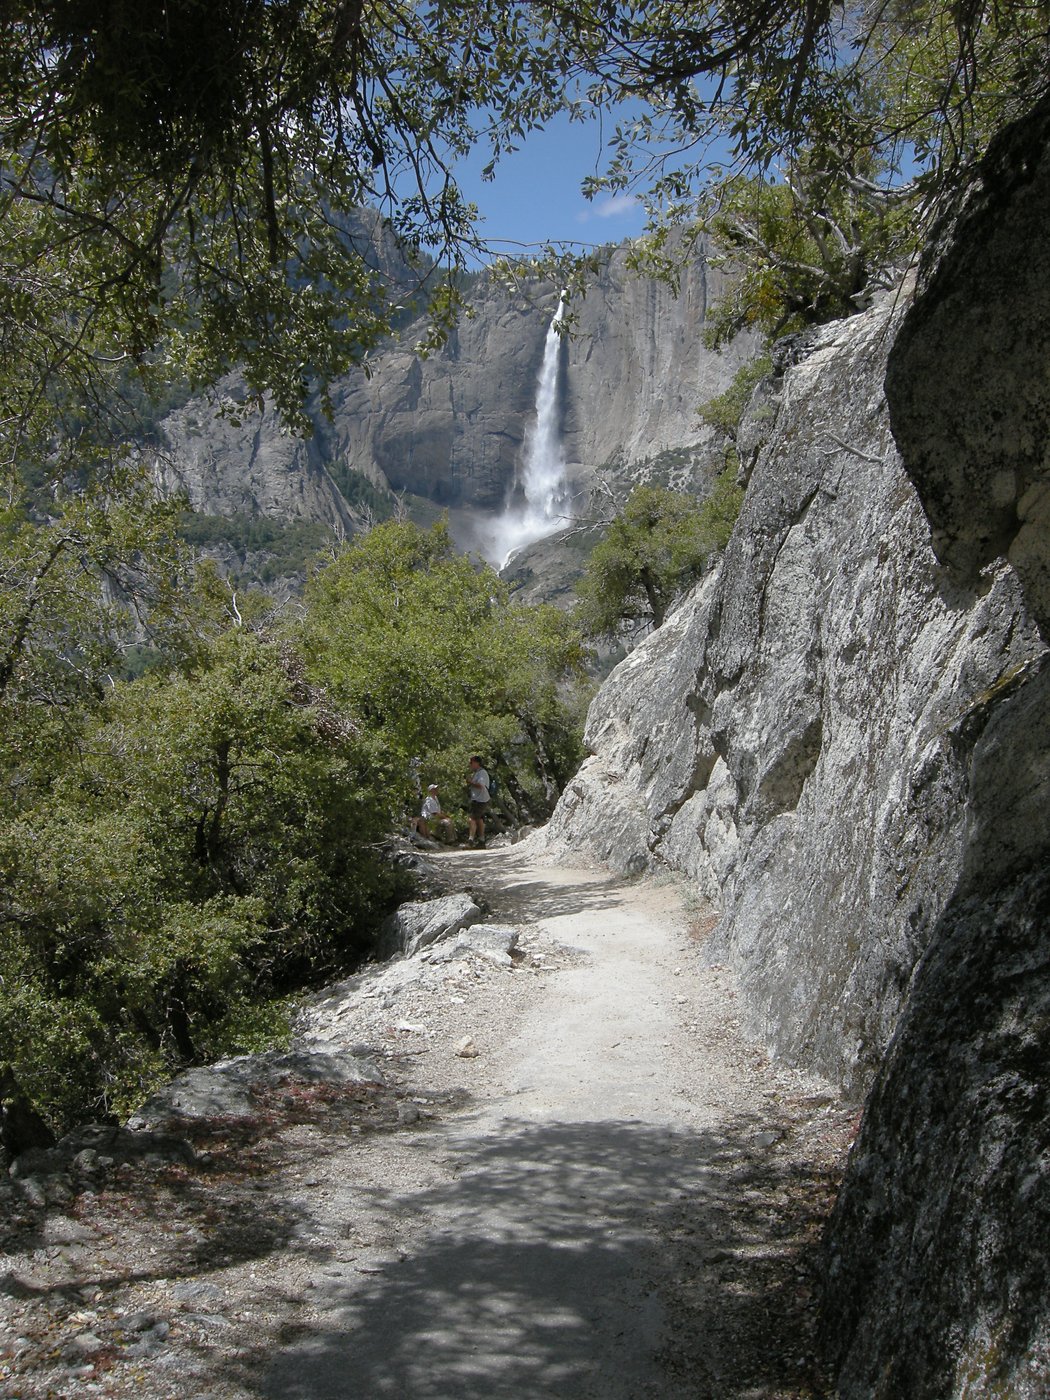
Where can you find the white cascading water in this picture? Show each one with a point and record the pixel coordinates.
(544, 503)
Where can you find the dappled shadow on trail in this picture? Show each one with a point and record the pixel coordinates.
(613, 1259)
(178, 1222)
(542, 900)
(517, 889)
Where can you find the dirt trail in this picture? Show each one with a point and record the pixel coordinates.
(625, 1203)
(575, 1240)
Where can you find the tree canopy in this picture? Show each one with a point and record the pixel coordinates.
(180, 851)
(436, 660)
(181, 185)
(174, 858)
(812, 141)
(208, 184)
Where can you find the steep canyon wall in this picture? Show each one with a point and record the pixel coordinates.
(798, 736)
(939, 1277)
(450, 428)
(843, 737)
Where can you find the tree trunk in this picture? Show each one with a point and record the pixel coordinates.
(653, 597)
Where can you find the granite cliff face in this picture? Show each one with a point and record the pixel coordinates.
(244, 464)
(450, 429)
(843, 737)
(967, 376)
(798, 736)
(947, 1199)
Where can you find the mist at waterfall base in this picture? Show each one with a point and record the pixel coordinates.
(540, 501)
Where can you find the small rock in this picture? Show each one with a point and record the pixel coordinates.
(21, 1286)
(466, 1049)
(407, 1113)
(60, 1230)
(31, 1190)
(138, 1322)
(192, 1292)
(143, 1349)
(59, 1191)
(85, 1344)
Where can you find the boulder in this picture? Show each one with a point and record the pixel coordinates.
(234, 1088)
(494, 942)
(419, 923)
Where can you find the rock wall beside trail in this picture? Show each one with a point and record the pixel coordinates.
(967, 379)
(939, 1275)
(798, 736)
(937, 1264)
(844, 738)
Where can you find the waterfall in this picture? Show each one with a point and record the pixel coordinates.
(541, 506)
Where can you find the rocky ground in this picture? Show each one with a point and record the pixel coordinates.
(555, 1168)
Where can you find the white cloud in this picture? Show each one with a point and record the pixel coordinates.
(609, 207)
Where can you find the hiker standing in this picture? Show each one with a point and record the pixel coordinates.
(478, 788)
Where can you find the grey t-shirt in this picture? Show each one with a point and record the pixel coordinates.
(479, 786)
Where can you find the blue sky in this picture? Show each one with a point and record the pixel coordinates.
(536, 197)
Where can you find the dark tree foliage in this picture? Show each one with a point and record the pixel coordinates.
(189, 175)
(426, 648)
(172, 860)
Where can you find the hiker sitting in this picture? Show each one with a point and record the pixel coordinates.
(431, 812)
